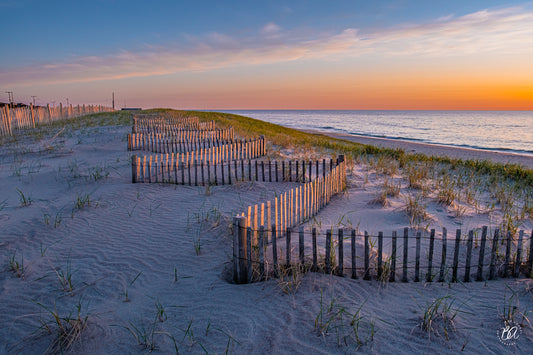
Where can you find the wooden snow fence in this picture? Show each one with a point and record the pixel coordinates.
(218, 165)
(296, 206)
(180, 141)
(418, 256)
(149, 123)
(28, 117)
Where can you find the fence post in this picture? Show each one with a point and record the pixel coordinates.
(468, 255)
(507, 256)
(354, 267)
(456, 255)
(340, 271)
(367, 257)
(405, 252)
(443, 259)
(481, 254)
(301, 244)
(518, 259)
(315, 261)
(32, 112)
(240, 267)
(274, 249)
(530, 261)
(417, 256)
(392, 276)
(328, 251)
(429, 276)
(249, 237)
(380, 255)
(288, 246)
(134, 169)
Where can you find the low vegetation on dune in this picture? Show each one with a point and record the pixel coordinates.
(287, 138)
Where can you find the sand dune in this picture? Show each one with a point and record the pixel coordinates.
(90, 236)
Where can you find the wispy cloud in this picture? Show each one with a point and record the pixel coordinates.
(270, 28)
(507, 30)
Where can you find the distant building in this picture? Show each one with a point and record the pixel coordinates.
(2, 104)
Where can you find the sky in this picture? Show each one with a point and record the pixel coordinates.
(208, 55)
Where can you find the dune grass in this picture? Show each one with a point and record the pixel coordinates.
(287, 137)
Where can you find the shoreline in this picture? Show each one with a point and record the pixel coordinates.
(434, 149)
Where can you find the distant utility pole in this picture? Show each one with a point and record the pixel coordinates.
(113, 100)
(33, 98)
(11, 100)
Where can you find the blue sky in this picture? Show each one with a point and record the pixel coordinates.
(207, 54)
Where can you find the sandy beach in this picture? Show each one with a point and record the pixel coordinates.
(147, 267)
(436, 150)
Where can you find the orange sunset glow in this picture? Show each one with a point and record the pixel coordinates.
(430, 59)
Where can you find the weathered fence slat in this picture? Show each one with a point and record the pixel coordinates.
(405, 254)
(366, 276)
(530, 262)
(249, 253)
(493, 254)
(240, 271)
(443, 259)
(340, 271)
(429, 275)
(261, 252)
(456, 255)
(315, 257)
(481, 254)
(274, 249)
(328, 252)
(507, 264)
(518, 259)
(417, 257)
(354, 267)
(468, 255)
(301, 244)
(288, 246)
(380, 255)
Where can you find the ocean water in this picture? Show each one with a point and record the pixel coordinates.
(510, 131)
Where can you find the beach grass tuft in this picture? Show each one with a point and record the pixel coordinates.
(66, 329)
(24, 199)
(438, 317)
(511, 311)
(349, 328)
(16, 266)
(126, 288)
(290, 278)
(415, 208)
